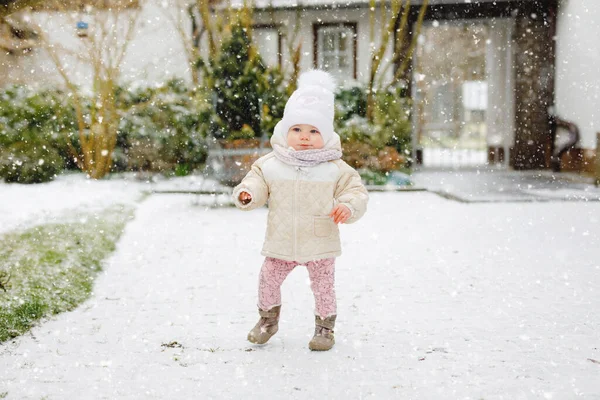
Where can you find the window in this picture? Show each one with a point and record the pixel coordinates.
(335, 49)
(268, 43)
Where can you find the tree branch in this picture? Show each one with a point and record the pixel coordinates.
(12, 6)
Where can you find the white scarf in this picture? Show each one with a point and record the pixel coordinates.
(305, 158)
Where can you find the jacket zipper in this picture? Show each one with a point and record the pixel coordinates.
(294, 202)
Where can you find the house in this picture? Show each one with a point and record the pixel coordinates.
(535, 58)
(486, 77)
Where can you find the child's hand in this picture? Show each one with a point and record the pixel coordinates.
(245, 198)
(340, 214)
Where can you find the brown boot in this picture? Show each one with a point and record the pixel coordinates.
(267, 326)
(323, 339)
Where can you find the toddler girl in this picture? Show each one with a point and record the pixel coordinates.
(310, 190)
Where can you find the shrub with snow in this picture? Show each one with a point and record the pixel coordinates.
(30, 162)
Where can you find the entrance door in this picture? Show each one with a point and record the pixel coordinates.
(462, 87)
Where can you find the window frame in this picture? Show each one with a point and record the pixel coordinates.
(323, 25)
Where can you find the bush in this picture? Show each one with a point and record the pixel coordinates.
(273, 97)
(361, 155)
(47, 116)
(383, 145)
(391, 124)
(30, 162)
(234, 78)
(371, 177)
(161, 129)
(144, 155)
(248, 97)
(393, 116)
(349, 103)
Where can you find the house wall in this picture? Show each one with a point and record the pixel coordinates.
(156, 53)
(360, 16)
(578, 67)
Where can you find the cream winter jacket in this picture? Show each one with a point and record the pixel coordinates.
(300, 199)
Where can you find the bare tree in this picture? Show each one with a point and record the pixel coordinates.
(11, 6)
(294, 48)
(185, 18)
(197, 21)
(395, 32)
(102, 50)
(16, 37)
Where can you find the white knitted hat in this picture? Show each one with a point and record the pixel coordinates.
(311, 103)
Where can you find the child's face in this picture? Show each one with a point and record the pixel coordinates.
(304, 137)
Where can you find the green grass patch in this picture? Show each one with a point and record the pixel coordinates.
(51, 268)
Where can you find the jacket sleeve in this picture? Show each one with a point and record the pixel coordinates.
(351, 193)
(255, 184)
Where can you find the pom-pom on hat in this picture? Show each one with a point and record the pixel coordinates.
(311, 103)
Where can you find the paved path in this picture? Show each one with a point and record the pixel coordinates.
(485, 185)
(437, 300)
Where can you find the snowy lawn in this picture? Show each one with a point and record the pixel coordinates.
(53, 237)
(24, 206)
(50, 268)
(437, 299)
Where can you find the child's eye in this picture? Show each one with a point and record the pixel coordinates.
(314, 131)
(296, 129)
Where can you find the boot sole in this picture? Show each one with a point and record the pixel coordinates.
(254, 340)
(317, 348)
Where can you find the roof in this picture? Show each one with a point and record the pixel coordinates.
(9, 6)
(292, 4)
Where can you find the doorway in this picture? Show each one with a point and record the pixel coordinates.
(463, 112)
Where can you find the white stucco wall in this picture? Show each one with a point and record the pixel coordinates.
(578, 67)
(309, 17)
(157, 54)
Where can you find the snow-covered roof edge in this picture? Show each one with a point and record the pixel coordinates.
(309, 4)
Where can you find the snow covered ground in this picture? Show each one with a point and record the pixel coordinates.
(487, 184)
(22, 206)
(25, 205)
(436, 300)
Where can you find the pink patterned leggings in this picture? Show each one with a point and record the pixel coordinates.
(322, 280)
